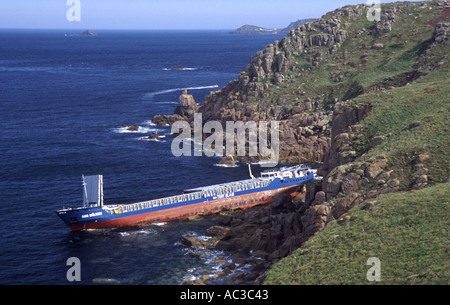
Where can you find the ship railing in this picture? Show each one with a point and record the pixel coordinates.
(119, 209)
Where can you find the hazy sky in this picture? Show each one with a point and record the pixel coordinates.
(163, 14)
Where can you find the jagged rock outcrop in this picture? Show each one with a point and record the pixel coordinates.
(384, 26)
(271, 233)
(167, 120)
(153, 136)
(432, 59)
(188, 106)
(277, 59)
(304, 123)
(132, 128)
(440, 33)
(184, 112)
(345, 127)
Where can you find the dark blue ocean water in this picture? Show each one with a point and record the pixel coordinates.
(63, 101)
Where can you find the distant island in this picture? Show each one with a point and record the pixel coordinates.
(85, 33)
(253, 29)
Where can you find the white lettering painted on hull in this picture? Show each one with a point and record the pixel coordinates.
(91, 215)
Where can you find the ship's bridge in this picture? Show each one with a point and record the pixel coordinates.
(286, 172)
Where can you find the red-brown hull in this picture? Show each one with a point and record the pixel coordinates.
(203, 208)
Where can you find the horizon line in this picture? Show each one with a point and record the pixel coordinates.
(117, 29)
(141, 29)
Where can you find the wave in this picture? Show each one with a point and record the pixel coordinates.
(149, 122)
(224, 165)
(144, 127)
(267, 163)
(145, 232)
(32, 69)
(154, 140)
(169, 103)
(48, 69)
(212, 262)
(141, 129)
(139, 232)
(179, 69)
(159, 224)
(151, 94)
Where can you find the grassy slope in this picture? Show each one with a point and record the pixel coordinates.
(408, 232)
(393, 110)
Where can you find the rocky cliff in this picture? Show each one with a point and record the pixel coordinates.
(299, 80)
(256, 95)
(368, 99)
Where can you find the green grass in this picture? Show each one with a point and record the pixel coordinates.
(408, 233)
(392, 112)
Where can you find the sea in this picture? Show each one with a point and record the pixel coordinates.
(64, 102)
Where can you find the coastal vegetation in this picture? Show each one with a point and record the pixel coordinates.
(407, 231)
(370, 101)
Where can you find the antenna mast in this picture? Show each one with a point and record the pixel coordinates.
(85, 197)
(250, 171)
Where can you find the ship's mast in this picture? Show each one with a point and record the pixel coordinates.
(85, 197)
(100, 191)
(250, 171)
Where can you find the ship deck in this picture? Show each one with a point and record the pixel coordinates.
(229, 185)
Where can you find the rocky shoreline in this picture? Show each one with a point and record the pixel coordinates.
(258, 238)
(266, 234)
(233, 267)
(325, 125)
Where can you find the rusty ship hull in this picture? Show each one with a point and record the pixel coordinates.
(203, 201)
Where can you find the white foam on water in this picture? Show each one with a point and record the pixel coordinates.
(152, 140)
(159, 224)
(209, 260)
(152, 94)
(139, 232)
(141, 129)
(149, 122)
(180, 69)
(169, 103)
(144, 232)
(147, 139)
(266, 162)
(224, 165)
